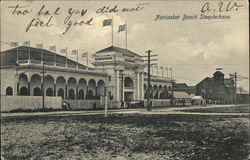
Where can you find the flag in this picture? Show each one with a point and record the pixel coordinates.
(52, 48)
(84, 54)
(219, 68)
(63, 51)
(13, 44)
(74, 52)
(26, 43)
(39, 45)
(122, 28)
(107, 22)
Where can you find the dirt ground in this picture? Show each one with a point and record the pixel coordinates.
(235, 109)
(130, 136)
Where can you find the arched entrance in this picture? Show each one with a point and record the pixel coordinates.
(60, 93)
(35, 85)
(37, 91)
(61, 85)
(71, 88)
(91, 93)
(23, 85)
(128, 89)
(81, 94)
(128, 82)
(71, 94)
(9, 91)
(24, 91)
(82, 83)
(100, 88)
(155, 92)
(49, 92)
(49, 85)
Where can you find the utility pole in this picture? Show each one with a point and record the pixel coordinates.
(149, 104)
(43, 89)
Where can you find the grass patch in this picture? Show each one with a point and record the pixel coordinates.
(125, 137)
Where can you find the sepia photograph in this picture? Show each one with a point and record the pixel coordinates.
(124, 80)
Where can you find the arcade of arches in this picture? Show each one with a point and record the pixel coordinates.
(67, 89)
(81, 89)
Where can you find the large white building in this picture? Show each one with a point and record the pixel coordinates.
(117, 73)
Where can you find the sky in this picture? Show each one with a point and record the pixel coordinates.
(193, 48)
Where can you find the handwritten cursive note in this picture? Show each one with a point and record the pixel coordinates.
(44, 16)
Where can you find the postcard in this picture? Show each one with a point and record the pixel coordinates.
(125, 79)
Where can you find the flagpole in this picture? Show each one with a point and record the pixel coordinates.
(55, 57)
(167, 72)
(162, 72)
(17, 57)
(87, 59)
(42, 58)
(29, 53)
(77, 58)
(112, 30)
(66, 57)
(126, 41)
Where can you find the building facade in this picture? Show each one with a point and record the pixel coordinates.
(217, 89)
(117, 73)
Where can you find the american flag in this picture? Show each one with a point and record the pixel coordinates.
(107, 22)
(39, 45)
(26, 43)
(74, 52)
(122, 28)
(63, 51)
(84, 54)
(52, 48)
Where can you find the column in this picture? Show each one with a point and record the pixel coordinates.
(28, 88)
(122, 88)
(66, 91)
(117, 86)
(142, 86)
(17, 93)
(55, 92)
(77, 96)
(96, 92)
(138, 86)
(86, 93)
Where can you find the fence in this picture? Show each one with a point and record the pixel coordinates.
(85, 104)
(9, 103)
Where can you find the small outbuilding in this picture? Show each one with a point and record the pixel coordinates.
(181, 99)
(198, 100)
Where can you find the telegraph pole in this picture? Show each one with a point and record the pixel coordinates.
(148, 96)
(43, 89)
(149, 105)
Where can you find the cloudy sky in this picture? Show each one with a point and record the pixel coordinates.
(193, 48)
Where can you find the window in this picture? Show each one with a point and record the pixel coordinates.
(9, 91)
